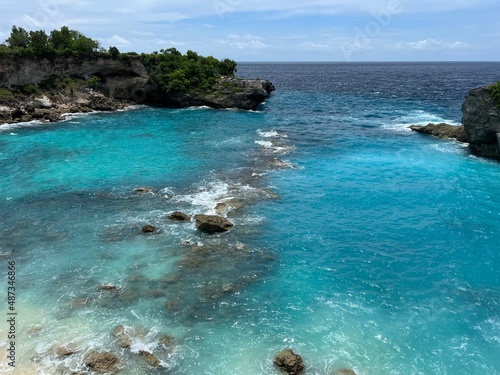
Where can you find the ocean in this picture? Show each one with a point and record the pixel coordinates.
(357, 243)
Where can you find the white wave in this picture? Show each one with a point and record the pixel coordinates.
(19, 125)
(271, 134)
(207, 197)
(265, 144)
(416, 117)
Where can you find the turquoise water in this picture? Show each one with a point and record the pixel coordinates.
(357, 243)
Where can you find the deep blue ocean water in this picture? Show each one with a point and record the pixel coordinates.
(357, 243)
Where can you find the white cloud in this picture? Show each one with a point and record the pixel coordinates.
(246, 41)
(314, 46)
(168, 43)
(431, 44)
(118, 41)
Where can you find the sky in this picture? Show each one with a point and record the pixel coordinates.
(277, 30)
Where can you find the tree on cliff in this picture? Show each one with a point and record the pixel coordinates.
(175, 72)
(18, 38)
(60, 42)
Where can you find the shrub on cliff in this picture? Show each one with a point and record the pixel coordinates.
(175, 72)
(495, 92)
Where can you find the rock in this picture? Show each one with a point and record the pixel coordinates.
(289, 362)
(481, 119)
(144, 190)
(167, 341)
(102, 362)
(124, 339)
(150, 358)
(17, 113)
(222, 208)
(212, 223)
(150, 229)
(42, 102)
(442, 130)
(64, 351)
(179, 216)
(344, 371)
(108, 287)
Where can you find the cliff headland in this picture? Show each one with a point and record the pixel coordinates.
(480, 123)
(68, 73)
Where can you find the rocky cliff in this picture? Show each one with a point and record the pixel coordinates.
(481, 119)
(121, 81)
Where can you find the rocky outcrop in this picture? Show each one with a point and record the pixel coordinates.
(102, 362)
(122, 81)
(442, 130)
(289, 362)
(481, 119)
(212, 223)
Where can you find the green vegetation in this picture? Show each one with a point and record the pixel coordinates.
(93, 81)
(169, 69)
(63, 42)
(6, 95)
(175, 72)
(495, 92)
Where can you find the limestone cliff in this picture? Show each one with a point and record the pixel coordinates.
(481, 119)
(121, 81)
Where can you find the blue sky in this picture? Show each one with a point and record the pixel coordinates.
(278, 30)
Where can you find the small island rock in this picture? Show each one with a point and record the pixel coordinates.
(212, 223)
(289, 362)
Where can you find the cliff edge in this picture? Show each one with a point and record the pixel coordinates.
(46, 88)
(481, 119)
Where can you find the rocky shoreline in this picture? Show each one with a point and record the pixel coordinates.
(481, 124)
(47, 89)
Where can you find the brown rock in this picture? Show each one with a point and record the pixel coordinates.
(144, 190)
(179, 216)
(64, 351)
(150, 358)
(212, 223)
(289, 362)
(442, 130)
(102, 362)
(108, 287)
(150, 229)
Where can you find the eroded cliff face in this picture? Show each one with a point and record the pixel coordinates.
(123, 80)
(481, 119)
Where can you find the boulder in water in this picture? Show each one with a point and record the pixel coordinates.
(212, 223)
(289, 362)
(179, 216)
(150, 229)
(102, 362)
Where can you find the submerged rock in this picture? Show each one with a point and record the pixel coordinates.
(481, 119)
(442, 130)
(123, 338)
(212, 223)
(108, 287)
(144, 190)
(150, 229)
(344, 371)
(150, 358)
(179, 216)
(102, 362)
(289, 362)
